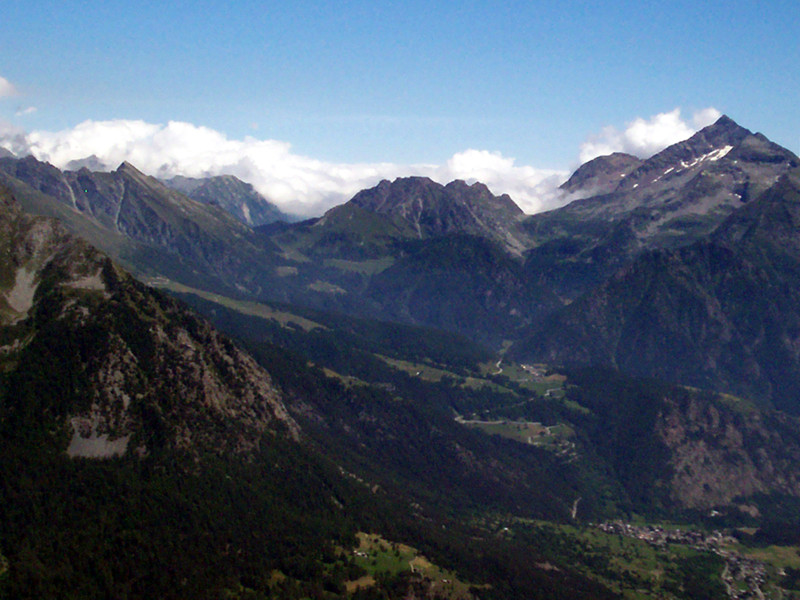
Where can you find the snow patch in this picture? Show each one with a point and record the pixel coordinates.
(712, 156)
(717, 154)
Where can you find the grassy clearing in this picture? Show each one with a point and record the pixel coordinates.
(366, 267)
(325, 287)
(347, 380)
(556, 438)
(521, 431)
(425, 372)
(377, 555)
(780, 557)
(252, 309)
(434, 374)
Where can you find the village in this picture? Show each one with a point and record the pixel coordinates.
(744, 578)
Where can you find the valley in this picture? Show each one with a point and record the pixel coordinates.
(422, 393)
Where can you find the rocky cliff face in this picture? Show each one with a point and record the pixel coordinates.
(108, 365)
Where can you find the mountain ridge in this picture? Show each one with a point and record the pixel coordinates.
(674, 198)
(719, 314)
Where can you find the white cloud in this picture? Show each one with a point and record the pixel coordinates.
(705, 117)
(532, 189)
(25, 111)
(305, 186)
(6, 88)
(643, 138)
(296, 183)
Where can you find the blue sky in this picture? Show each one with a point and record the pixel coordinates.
(412, 83)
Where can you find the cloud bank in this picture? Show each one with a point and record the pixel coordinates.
(297, 184)
(645, 137)
(305, 186)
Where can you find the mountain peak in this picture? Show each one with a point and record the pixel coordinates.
(434, 209)
(723, 131)
(127, 167)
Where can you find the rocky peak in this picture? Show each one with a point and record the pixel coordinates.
(128, 170)
(41, 176)
(91, 163)
(706, 147)
(433, 209)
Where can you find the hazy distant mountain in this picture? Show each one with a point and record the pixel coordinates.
(231, 194)
(93, 163)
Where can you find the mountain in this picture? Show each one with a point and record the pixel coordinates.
(674, 198)
(719, 314)
(464, 284)
(676, 447)
(93, 163)
(121, 368)
(327, 263)
(600, 175)
(151, 229)
(173, 463)
(434, 210)
(136, 437)
(231, 194)
(450, 256)
(418, 252)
